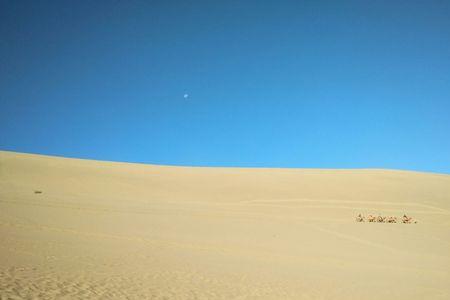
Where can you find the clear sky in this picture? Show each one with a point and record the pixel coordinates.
(315, 84)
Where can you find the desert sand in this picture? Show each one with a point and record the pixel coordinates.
(81, 229)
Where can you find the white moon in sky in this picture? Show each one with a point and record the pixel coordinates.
(185, 96)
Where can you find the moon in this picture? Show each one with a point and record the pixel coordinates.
(185, 96)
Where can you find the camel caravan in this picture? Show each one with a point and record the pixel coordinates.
(380, 219)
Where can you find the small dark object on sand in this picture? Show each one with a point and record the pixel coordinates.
(38, 192)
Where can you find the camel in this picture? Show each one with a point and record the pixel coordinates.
(408, 220)
(371, 218)
(359, 218)
(381, 219)
(391, 219)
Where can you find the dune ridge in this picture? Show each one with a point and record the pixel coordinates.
(79, 229)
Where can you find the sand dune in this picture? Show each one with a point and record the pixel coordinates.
(107, 230)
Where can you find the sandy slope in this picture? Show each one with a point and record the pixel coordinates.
(115, 230)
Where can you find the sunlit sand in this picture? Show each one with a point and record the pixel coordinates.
(80, 229)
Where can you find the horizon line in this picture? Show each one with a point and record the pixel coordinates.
(224, 167)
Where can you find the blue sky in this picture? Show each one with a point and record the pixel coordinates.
(313, 84)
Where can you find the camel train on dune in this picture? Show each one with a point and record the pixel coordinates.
(380, 219)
